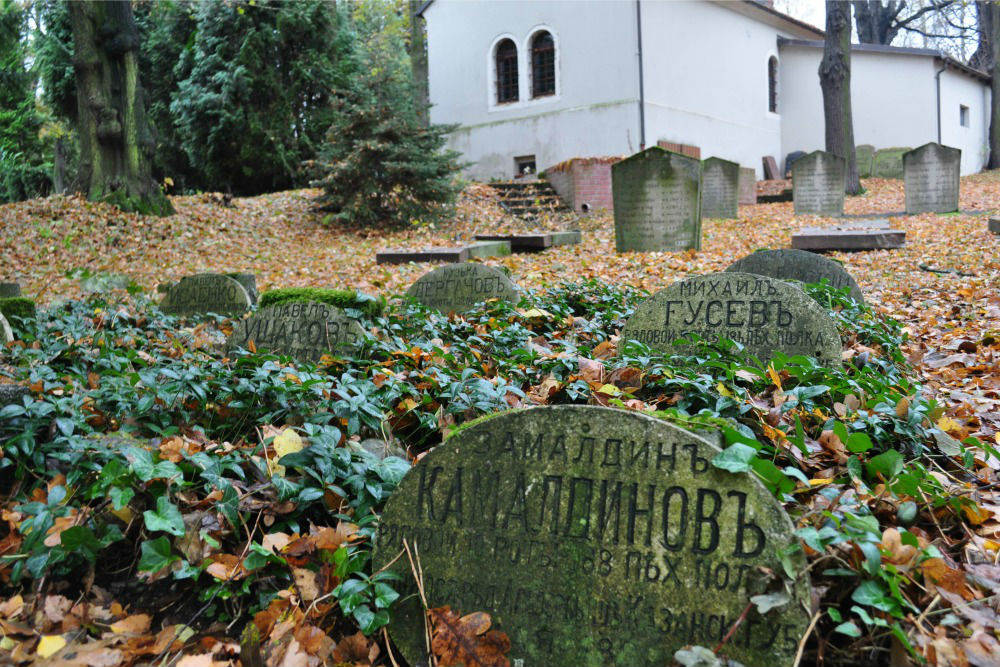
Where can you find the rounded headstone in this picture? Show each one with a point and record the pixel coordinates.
(459, 287)
(206, 293)
(249, 282)
(793, 264)
(592, 536)
(790, 160)
(305, 331)
(8, 290)
(765, 315)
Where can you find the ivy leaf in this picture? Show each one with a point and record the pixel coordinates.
(735, 458)
(166, 517)
(155, 555)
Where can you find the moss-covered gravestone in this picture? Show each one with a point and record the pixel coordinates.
(888, 162)
(793, 264)
(459, 287)
(818, 184)
(9, 289)
(305, 331)
(592, 536)
(765, 315)
(720, 184)
(931, 175)
(206, 293)
(657, 201)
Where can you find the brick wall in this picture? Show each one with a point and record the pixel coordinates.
(582, 181)
(562, 182)
(684, 149)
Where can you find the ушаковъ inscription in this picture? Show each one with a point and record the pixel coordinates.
(305, 331)
(593, 537)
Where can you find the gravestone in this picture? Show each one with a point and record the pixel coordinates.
(864, 155)
(888, 163)
(930, 177)
(848, 236)
(459, 287)
(489, 249)
(438, 254)
(770, 168)
(994, 225)
(305, 331)
(6, 333)
(793, 264)
(521, 242)
(249, 282)
(8, 290)
(592, 537)
(719, 188)
(657, 201)
(790, 160)
(765, 315)
(567, 237)
(748, 186)
(206, 293)
(818, 184)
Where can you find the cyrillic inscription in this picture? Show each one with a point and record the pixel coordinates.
(459, 287)
(305, 331)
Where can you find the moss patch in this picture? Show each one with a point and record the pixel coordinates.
(332, 297)
(17, 306)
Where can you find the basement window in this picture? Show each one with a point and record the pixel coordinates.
(963, 115)
(524, 165)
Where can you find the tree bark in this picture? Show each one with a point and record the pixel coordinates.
(418, 63)
(983, 56)
(115, 142)
(835, 82)
(989, 18)
(876, 23)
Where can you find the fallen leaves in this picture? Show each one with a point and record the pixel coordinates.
(467, 640)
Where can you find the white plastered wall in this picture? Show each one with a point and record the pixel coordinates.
(960, 89)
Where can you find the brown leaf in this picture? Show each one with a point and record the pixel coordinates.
(591, 370)
(467, 641)
(356, 650)
(940, 574)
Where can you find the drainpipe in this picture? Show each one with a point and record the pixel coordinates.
(642, 95)
(937, 85)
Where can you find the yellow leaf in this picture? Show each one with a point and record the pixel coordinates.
(125, 514)
(819, 482)
(287, 442)
(609, 389)
(50, 645)
(724, 390)
(976, 514)
(775, 378)
(169, 182)
(948, 424)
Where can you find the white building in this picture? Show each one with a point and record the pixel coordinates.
(537, 82)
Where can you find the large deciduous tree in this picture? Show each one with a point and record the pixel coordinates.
(835, 82)
(879, 21)
(115, 141)
(988, 58)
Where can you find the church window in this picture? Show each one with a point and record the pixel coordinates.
(543, 65)
(506, 63)
(772, 84)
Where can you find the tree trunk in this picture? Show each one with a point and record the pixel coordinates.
(835, 81)
(418, 63)
(991, 12)
(983, 55)
(876, 22)
(115, 143)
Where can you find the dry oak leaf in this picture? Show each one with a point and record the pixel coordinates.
(467, 641)
(945, 577)
(356, 650)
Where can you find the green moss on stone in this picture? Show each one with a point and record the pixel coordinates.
(17, 306)
(455, 430)
(333, 297)
(156, 204)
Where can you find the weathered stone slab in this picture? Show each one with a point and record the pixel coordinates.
(931, 177)
(864, 155)
(888, 163)
(771, 168)
(720, 180)
(249, 282)
(818, 184)
(570, 237)
(657, 201)
(994, 225)
(489, 249)
(783, 196)
(593, 537)
(748, 186)
(790, 160)
(800, 265)
(12, 393)
(305, 331)
(857, 235)
(6, 333)
(521, 242)
(765, 315)
(459, 287)
(402, 256)
(206, 293)
(8, 290)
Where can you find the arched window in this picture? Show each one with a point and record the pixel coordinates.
(543, 65)
(506, 61)
(772, 84)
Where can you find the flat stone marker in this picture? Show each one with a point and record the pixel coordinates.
(800, 265)
(818, 184)
(489, 249)
(930, 177)
(856, 235)
(206, 293)
(6, 333)
(305, 331)
(790, 160)
(657, 201)
(864, 155)
(521, 242)
(570, 237)
(888, 163)
(766, 315)
(592, 537)
(770, 168)
(8, 290)
(720, 181)
(748, 186)
(399, 256)
(994, 225)
(459, 287)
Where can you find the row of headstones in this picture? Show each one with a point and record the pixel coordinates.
(872, 162)
(930, 180)
(749, 304)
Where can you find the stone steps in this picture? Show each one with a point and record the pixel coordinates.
(529, 200)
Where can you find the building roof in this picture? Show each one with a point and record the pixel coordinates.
(766, 10)
(947, 61)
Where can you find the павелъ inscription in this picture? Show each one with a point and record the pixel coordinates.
(720, 181)
(763, 314)
(593, 537)
(793, 264)
(818, 184)
(459, 287)
(304, 331)
(206, 293)
(931, 177)
(657, 201)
